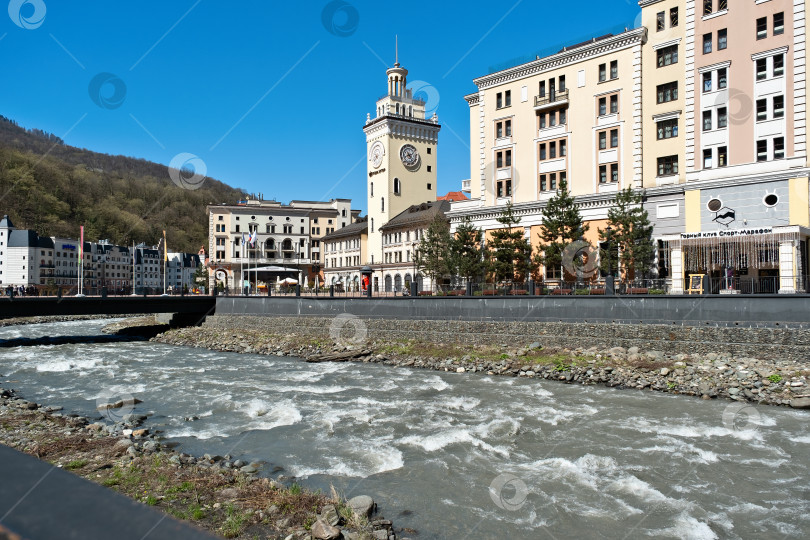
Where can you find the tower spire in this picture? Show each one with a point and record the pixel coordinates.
(396, 50)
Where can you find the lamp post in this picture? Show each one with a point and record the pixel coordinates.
(610, 285)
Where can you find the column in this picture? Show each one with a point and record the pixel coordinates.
(676, 269)
(787, 267)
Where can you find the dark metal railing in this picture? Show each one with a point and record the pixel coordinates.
(552, 97)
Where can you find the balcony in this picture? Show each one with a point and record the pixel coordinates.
(551, 99)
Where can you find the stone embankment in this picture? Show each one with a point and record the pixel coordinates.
(767, 380)
(219, 493)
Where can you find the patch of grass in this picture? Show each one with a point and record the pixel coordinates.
(775, 378)
(76, 464)
(196, 512)
(151, 500)
(671, 385)
(295, 489)
(234, 522)
(180, 488)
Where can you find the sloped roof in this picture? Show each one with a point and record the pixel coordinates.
(453, 196)
(357, 228)
(418, 214)
(22, 238)
(6, 222)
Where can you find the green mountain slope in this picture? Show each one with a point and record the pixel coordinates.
(54, 188)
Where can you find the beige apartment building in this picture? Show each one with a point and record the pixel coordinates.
(287, 242)
(574, 116)
(344, 253)
(741, 146)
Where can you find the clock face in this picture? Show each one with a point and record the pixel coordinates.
(377, 153)
(409, 155)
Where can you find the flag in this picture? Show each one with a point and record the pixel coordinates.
(244, 239)
(253, 236)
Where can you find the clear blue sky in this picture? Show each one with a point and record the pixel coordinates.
(272, 96)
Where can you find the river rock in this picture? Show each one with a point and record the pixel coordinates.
(800, 402)
(330, 515)
(323, 531)
(250, 469)
(362, 505)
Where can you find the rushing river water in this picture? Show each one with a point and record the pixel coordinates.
(455, 456)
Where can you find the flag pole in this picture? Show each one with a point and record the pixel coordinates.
(81, 258)
(165, 258)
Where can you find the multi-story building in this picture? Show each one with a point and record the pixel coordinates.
(729, 191)
(180, 271)
(112, 267)
(284, 245)
(571, 117)
(148, 270)
(344, 254)
(21, 252)
(401, 237)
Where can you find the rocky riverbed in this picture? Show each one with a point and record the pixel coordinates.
(219, 493)
(767, 381)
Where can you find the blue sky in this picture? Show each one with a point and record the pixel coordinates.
(271, 96)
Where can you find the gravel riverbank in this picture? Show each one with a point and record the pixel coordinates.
(770, 381)
(218, 493)
(17, 321)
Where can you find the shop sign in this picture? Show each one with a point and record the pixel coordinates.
(728, 234)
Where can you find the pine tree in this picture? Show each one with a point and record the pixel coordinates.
(631, 234)
(508, 253)
(562, 225)
(432, 254)
(465, 249)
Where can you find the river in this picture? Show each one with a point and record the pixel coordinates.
(454, 456)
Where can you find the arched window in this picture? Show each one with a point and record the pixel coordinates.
(397, 186)
(382, 204)
(397, 108)
(410, 111)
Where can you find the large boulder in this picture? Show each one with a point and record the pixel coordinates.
(323, 531)
(362, 505)
(800, 403)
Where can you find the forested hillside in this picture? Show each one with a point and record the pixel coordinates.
(119, 198)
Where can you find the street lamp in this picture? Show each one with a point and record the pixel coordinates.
(610, 285)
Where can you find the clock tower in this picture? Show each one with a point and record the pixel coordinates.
(401, 146)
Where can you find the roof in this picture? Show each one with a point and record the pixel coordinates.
(418, 214)
(5, 222)
(357, 228)
(454, 196)
(22, 238)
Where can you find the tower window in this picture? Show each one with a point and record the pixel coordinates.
(429, 150)
(430, 186)
(371, 188)
(397, 186)
(428, 168)
(382, 204)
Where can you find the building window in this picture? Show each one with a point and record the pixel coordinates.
(762, 110)
(507, 97)
(779, 106)
(614, 104)
(614, 69)
(707, 158)
(778, 65)
(382, 204)
(722, 39)
(603, 174)
(667, 92)
(552, 150)
(707, 120)
(602, 140)
(614, 138)
(722, 117)
(542, 89)
(499, 100)
(667, 165)
(543, 185)
(762, 68)
(707, 43)
(563, 146)
(707, 81)
(778, 23)
(602, 72)
(508, 128)
(762, 150)
(667, 129)
(562, 117)
(542, 152)
(722, 156)
(707, 7)
(779, 148)
(602, 106)
(397, 187)
(660, 19)
(673, 17)
(762, 27)
(614, 172)
(429, 168)
(722, 78)
(667, 55)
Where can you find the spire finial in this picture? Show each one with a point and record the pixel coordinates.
(396, 50)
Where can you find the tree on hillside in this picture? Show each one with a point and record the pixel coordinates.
(562, 225)
(630, 239)
(465, 251)
(432, 254)
(508, 252)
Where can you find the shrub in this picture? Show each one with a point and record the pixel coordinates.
(775, 378)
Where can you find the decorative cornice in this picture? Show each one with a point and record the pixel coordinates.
(772, 52)
(630, 38)
(472, 99)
